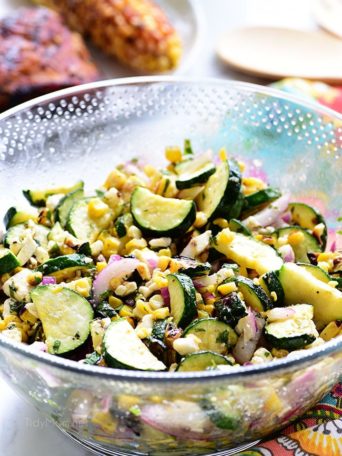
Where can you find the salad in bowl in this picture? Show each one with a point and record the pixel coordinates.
(191, 267)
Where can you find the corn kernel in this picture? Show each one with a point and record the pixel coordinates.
(173, 154)
(160, 314)
(333, 329)
(324, 265)
(163, 262)
(174, 266)
(165, 252)
(223, 154)
(105, 421)
(209, 308)
(274, 296)
(201, 219)
(144, 271)
(126, 311)
(141, 308)
(203, 314)
(143, 333)
(100, 266)
(83, 287)
(296, 238)
(221, 222)
(125, 401)
(227, 288)
(136, 244)
(273, 403)
(211, 288)
(115, 179)
(115, 302)
(279, 353)
(156, 302)
(97, 208)
(225, 236)
(151, 171)
(325, 256)
(115, 282)
(134, 232)
(242, 166)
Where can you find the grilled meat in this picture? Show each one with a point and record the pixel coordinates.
(39, 54)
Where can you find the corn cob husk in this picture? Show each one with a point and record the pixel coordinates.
(137, 32)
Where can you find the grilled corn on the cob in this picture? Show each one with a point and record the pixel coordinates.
(137, 32)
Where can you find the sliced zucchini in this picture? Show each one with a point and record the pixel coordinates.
(195, 177)
(271, 284)
(120, 226)
(247, 251)
(159, 329)
(230, 309)
(63, 208)
(8, 261)
(317, 272)
(80, 225)
(221, 192)
(222, 410)
(238, 227)
(182, 299)
(39, 197)
(215, 335)
(307, 217)
(191, 267)
(73, 261)
(253, 294)
(301, 249)
(300, 286)
(293, 333)
(14, 217)
(156, 215)
(201, 361)
(16, 234)
(192, 164)
(65, 316)
(123, 349)
(258, 200)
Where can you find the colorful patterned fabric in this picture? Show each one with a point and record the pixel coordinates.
(319, 431)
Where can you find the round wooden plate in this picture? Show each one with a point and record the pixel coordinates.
(275, 53)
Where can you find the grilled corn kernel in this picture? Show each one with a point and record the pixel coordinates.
(333, 329)
(295, 238)
(201, 219)
(203, 314)
(223, 154)
(105, 421)
(227, 288)
(96, 248)
(115, 302)
(28, 317)
(143, 333)
(274, 296)
(134, 232)
(135, 244)
(126, 311)
(97, 208)
(209, 308)
(114, 283)
(165, 252)
(83, 287)
(115, 179)
(279, 353)
(156, 301)
(126, 289)
(325, 256)
(100, 266)
(141, 308)
(324, 265)
(160, 314)
(163, 262)
(125, 401)
(221, 222)
(160, 242)
(111, 244)
(173, 154)
(186, 345)
(225, 236)
(144, 271)
(273, 403)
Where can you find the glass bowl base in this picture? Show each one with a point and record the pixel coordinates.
(99, 450)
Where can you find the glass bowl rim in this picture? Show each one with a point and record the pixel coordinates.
(277, 366)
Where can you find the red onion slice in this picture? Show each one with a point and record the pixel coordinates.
(117, 269)
(47, 280)
(270, 214)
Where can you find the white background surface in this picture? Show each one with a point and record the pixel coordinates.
(23, 432)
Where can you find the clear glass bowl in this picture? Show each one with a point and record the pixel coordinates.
(83, 133)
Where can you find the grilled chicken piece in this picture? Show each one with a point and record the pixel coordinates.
(137, 32)
(39, 54)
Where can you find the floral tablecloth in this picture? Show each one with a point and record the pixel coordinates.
(319, 431)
